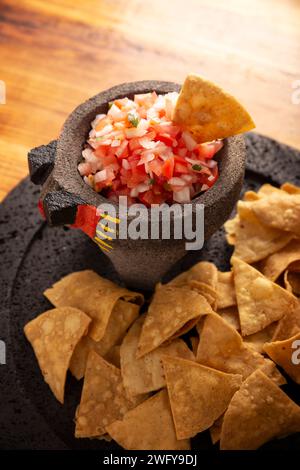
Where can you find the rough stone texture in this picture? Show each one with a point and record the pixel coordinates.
(34, 255)
(64, 189)
(41, 162)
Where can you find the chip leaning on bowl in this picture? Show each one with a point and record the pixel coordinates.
(161, 148)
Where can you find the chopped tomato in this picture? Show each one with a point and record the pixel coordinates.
(168, 168)
(181, 169)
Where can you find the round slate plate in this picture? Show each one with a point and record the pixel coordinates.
(33, 256)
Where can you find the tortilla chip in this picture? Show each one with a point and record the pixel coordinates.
(260, 301)
(295, 267)
(54, 335)
(290, 188)
(281, 211)
(277, 263)
(198, 395)
(148, 427)
(103, 398)
(225, 290)
(283, 352)
(146, 374)
(231, 316)
(268, 190)
(203, 272)
(230, 227)
(255, 241)
(221, 347)
(122, 316)
(258, 412)
(113, 356)
(171, 312)
(216, 429)
(92, 294)
(259, 339)
(207, 291)
(250, 196)
(289, 325)
(208, 112)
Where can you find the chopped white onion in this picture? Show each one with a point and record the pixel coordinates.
(176, 181)
(115, 143)
(125, 164)
(97, 119)
(189, 141)
(106, 130)
(100, 176)
(182, 196)
(204, 187)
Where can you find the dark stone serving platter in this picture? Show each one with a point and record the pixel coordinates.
(33, 256)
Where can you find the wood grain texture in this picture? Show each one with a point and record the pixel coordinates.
(56, 53)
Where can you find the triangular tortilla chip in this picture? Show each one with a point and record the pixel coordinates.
(92, 294)
(206, 290)
(230, 227)
(286, 354)
(146, 374)
(231, 315)
(281, 211)
(255, 241)
(194, 340)
(122, 316)
(208, 112)
(204, 272)
(148, 427)
(267, 190)
(54, 336)
(198, 395)
(258, 412)
(225, 290)
(260, 301)
(290, 188)
(222, 348)
(257, 340)
(172, 310)
(103, 398)
(289, 325)
(277, 263)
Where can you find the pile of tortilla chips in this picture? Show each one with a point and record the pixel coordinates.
(147, 387)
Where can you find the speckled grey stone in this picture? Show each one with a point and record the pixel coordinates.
(34, 255)
(140, 263)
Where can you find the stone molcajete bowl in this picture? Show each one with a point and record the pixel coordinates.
(140, 263)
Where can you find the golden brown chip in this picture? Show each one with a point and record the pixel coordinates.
(113, 356)
(198, 395)
(290, 188)
(103, 398)
(225, 290)
(54, 336)
(250, 196)
(257, 340)
(146, 374)
(92, 294)
(216, 429)
(277, 263)
(206, 290)
(281, 211)
(208, 112)
(230, 227)
(231, 315)
(286, 354)
(171, 312)
(268, 190)
(222, 348)
(122, 316)
(289, 325)
(295, 267)
(255, 241)
(203, 272)
(258, 412)
(260, 301)
(149, 426)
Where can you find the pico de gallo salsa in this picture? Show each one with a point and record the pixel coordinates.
(135, 150)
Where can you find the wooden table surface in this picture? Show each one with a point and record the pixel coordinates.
(54, 54)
